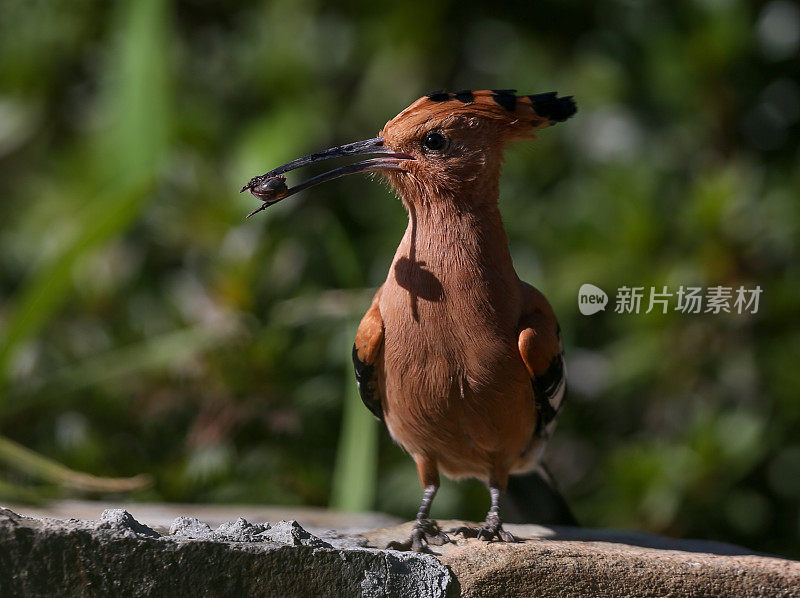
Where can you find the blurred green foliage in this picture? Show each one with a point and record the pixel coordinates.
(145, 326)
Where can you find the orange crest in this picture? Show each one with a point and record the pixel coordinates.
(457, 139)
(517, 115)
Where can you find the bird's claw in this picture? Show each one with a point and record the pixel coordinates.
(491, 529)
(425, 532)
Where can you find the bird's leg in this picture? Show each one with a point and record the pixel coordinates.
(493, 526)
(425, 530)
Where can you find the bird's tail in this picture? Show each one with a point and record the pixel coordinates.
(534, 498)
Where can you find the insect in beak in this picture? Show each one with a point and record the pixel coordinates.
(271, 187)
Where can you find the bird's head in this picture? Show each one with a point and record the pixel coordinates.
(457, 139)
(444, 145)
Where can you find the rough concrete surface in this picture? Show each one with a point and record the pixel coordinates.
(118, 555)
(568, 561)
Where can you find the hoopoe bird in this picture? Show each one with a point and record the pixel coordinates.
(460, 359)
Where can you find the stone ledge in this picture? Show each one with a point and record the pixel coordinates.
(118, 555)
(565, 561)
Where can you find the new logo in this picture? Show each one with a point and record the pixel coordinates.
(591, 299)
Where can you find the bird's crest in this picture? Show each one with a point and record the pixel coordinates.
(524, 111)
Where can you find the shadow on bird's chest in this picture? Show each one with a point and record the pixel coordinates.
(420, 282)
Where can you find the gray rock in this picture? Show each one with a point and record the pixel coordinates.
(290, 532)
(282, 532)
(117, 555)
(398, 574)
(241, 531)
(46, 557)
(123, 523)
(190, 527)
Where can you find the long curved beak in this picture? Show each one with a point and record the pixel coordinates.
(271, 187)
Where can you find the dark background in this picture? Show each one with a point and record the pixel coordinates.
(146, 327)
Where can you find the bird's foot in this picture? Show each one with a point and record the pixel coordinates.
(491, 529)
(424, 532)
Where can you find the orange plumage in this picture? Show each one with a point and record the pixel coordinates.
(461, 359)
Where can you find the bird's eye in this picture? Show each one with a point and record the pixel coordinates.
(434, 141)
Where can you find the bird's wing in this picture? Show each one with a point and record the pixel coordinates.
(366, 350)
(543, 355)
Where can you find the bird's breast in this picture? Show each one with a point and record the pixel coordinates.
(451, 371)
(448, 321)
